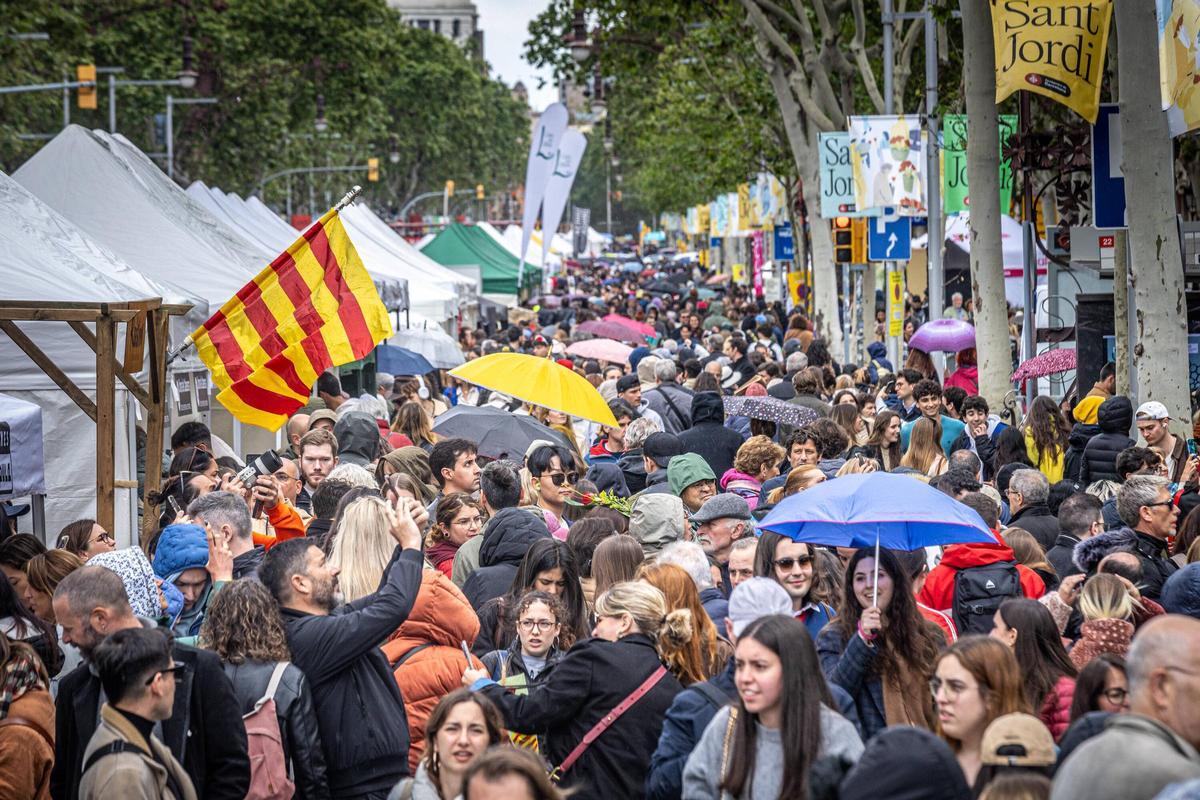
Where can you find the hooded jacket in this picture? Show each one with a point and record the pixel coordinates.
(879, 360)
(708, 437)
(358, 438)
(938, 592)
(440, 619)
(508, 537)
(1115, 417)
(1077, 442)
(906, 763)
(655, 521)
(26, 757)
(965, 378)
(180, 548)
(744, 486)
(1151, 552)
(633, 470)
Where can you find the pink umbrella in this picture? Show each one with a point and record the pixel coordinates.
(1050, 362)
(611, 330)
(601, 350)
(640, 327)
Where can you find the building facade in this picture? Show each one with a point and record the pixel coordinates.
(457, 20)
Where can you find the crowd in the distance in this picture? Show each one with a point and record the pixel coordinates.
(397, 612)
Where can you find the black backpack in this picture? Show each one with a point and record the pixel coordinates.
(979, 591)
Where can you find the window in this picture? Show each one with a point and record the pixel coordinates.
(456, 28)
(423, 24)
(437, 26)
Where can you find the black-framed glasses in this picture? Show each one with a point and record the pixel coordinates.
(1116, 696)
(1159, 503)
(529, 625)
(789, 562)
(174, 668)
(559, 478)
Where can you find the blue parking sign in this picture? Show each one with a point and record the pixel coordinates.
(889, 239)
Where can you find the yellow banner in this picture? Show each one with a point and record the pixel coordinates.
(1054, 48)
(795, 281)
(895, 302)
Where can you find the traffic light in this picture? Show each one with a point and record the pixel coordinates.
(87, 94)
(450, 187)
(479, 194)
(843, 241)
(858, 236)
(373, 169)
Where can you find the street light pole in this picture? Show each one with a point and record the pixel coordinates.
(170, 132)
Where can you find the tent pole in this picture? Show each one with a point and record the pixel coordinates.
(105, 423)
(156, 342)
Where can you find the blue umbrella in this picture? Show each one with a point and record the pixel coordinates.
(876, 510)
(400, 361)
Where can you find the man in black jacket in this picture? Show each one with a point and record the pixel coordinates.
(360, 714)
(205, 732)
(708, 437)
(1078, 519)
(1145, 505)
(1028, 496)
(1115, 417)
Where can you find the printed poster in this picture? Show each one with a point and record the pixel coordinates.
(1054, 48)
(1179, 62)
(888, 163)
(954, 163)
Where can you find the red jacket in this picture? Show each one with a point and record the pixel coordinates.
(938, 592)
(1055, 713)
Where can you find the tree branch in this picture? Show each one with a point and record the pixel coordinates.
(860, 56)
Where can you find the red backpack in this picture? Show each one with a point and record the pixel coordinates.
(270, 777)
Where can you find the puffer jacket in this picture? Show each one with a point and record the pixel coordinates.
(1101, 636)
(508, 537)
(439, 621)
(1077, 442)
(1055, 713)
(297, 720)
(1115, 417)
(744, 486)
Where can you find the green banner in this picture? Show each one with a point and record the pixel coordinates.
(954, 163)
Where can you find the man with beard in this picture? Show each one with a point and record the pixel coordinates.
(205, 732)
(360, 713)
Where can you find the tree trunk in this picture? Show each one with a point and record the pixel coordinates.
(983, 178)
(1155, 264)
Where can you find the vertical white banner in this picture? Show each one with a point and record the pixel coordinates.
(558, 188)
(543, 149)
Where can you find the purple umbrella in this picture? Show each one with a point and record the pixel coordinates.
(611, 330)
(948, 335)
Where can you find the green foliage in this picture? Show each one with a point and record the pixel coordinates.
(266, 61)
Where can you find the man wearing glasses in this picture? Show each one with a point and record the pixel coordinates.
(124, 758)
(1145, 504)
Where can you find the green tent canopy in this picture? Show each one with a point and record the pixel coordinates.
(466, 245)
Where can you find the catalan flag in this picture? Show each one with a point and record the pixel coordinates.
(314, 307)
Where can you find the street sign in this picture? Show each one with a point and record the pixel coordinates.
(889, 239)
(1108, 183)
(785, 245)
(895, 302)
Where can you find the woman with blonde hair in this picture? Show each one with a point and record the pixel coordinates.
(1030, 553)
(857, 465)
(362, 547)
(413, 422)
(799, 479)
(634, 634)
(1107, 609)
(44, 572)
(700, 658)
(925, 450)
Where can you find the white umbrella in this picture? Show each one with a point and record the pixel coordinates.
(438, 347)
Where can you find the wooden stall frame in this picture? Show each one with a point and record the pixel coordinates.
(152, 313)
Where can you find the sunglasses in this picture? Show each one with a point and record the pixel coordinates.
(559, 478)
(788, 563)
(176, 667)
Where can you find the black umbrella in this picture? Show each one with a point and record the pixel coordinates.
(769, 409)
(497, 434)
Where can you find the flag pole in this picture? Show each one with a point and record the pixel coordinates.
(346, 200)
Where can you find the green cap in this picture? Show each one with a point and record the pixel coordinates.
(686, 469)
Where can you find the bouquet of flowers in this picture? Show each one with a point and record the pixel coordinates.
(605, 498)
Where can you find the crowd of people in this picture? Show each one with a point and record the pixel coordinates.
(395, 613)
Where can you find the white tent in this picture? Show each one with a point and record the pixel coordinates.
(116, 194)
(230, 210)
(513, 245)
(958, 234)
(48, 259)
(559, 245)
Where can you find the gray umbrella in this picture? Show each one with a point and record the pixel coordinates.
(497, 434)
(769, 409)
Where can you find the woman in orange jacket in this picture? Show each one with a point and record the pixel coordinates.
(426, 652)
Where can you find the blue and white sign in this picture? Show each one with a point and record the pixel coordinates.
(785, 245)
(1108, 183)
(889, 238)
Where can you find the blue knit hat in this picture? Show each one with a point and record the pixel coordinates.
(1181, 592)
(636, 355)
(180, 547)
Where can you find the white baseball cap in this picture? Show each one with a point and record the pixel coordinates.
(1152, 410)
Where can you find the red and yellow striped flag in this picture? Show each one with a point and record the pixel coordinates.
(314, 307)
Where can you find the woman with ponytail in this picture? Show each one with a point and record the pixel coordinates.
(620, 667)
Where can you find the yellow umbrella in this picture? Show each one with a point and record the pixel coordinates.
(539, 381)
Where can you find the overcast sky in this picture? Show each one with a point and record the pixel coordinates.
(505, 25)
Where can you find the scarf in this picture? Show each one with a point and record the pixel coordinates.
(23, 673)
(906, 699)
